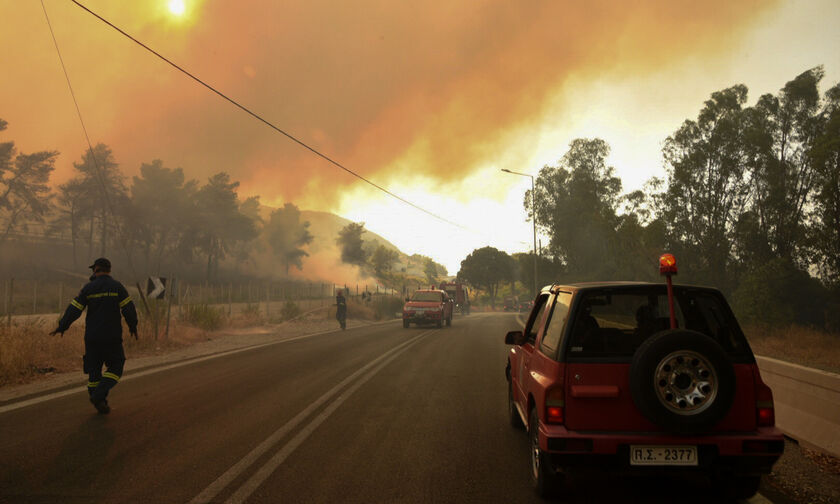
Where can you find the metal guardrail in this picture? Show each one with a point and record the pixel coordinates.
(807, 402)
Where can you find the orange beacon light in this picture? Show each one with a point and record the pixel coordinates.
(668, 267)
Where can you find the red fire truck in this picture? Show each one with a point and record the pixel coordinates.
(458, 292)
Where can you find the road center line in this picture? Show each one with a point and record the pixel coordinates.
(157, 369)
(254, 482)
(209, 493)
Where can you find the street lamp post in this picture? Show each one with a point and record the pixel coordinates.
(534, 219)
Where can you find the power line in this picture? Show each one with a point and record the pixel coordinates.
(267, 122)
(100, 175)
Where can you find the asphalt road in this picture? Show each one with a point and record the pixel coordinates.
(372, 414)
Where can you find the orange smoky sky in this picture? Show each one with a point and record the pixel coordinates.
(384, 87)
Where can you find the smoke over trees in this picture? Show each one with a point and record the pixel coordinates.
(24, 194)
(161, 219)
(287, 234)
(351, 244)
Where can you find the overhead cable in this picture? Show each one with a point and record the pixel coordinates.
(267, 122)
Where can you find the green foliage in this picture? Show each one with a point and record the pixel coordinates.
(707, 185)
(24, 191)
(290, 310)
(576, 203)
(100, 198)
(550, 270)
(286, 234)
(385, 307)
(219, 222)
(825, 225)
(751, 205)
(204, 317)
(162, 216)
(486, 268)
(383, 260)
(779, 294)
(778, 136)
(431, 272)
(351, 244)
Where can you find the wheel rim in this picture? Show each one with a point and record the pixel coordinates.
(535, 450)
(685, 382)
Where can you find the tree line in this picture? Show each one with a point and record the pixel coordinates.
(377, 260)
(750, 204)
(156, 221)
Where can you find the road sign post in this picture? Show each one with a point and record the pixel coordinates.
(168, 308)
(156, 287)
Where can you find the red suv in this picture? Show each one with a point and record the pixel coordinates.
(613, 376)
(430, 306)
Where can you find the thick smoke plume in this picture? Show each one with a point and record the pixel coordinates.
(384, 87)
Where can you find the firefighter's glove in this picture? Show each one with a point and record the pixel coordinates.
(133, 333)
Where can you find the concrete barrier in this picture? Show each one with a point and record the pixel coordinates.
(807, 402)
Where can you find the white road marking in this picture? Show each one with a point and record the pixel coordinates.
(132, 375)
(209, 493)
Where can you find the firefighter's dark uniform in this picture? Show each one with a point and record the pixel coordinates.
(104, 298)
(341, 310)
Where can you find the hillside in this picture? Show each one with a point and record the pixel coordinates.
(324, 262)
(325, 226)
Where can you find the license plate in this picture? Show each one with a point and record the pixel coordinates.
(663, 455)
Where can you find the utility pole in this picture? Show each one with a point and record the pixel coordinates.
(534, 219)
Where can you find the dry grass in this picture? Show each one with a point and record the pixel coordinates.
(27, 352)
(800, 345)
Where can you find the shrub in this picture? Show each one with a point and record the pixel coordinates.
(204, 317)
(358, 310)
(777, 293)
(386, 306)
(289, 311)
(251, 311)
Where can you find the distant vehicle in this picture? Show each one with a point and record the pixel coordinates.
(525, 306)
(429, 306)
(460, 294)
(511, 304)
(640, 378)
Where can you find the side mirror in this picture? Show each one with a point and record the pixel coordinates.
(515, 338)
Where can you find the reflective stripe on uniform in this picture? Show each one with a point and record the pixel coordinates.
(125, 301)
(93, 384)
(77, 304)
(110, 375)
(103, 294)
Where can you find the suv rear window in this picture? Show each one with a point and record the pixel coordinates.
(613, 323)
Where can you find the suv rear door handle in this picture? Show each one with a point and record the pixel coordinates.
(595, 391)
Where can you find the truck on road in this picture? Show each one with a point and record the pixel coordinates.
(458, 292)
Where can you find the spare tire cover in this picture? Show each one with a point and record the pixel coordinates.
(682, 381)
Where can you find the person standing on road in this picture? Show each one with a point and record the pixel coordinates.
(341, 309)
(104, 298)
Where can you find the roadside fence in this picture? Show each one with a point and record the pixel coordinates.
(24, 297)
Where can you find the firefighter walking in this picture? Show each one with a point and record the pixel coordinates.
(105, 299)
(341, 309)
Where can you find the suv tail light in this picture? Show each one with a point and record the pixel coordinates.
(765, 413)
(554, 404)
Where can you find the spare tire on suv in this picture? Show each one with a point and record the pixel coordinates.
(682, 381)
